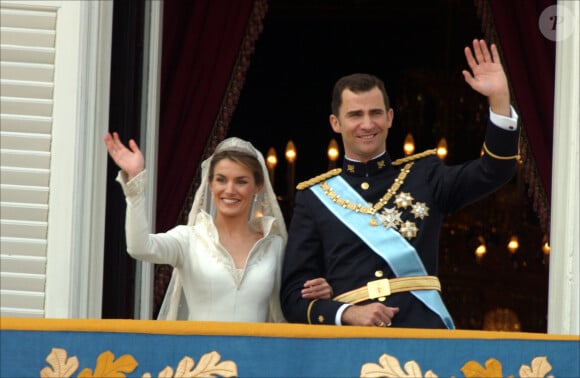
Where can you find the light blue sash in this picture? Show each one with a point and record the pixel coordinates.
(386, 242)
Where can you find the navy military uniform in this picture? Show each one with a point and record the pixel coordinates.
(320, 245)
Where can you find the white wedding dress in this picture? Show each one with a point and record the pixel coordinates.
(205, 283)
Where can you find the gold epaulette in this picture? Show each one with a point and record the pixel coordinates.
(409, 158)
(315, 180)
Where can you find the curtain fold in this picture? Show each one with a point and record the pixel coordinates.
(204, 46)
(529, 58)
(207, 45)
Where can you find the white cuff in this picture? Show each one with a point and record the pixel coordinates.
(503, 122)
(133, 187)
(339, 312)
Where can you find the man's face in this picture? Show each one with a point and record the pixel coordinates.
(364, 123)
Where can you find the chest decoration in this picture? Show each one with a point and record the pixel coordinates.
(390, 217)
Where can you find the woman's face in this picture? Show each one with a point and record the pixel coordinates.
(233, 188)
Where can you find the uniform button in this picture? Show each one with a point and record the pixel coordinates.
(379, 273)
(364, 185)
(320, 319)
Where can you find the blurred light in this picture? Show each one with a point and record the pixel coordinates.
(546, 248)
(409, 145)
(501, 319)
(333, 150)
(545, 245)
(290, 152)
(481, 248)
(271, 158)
(442, 148)
(513, 244)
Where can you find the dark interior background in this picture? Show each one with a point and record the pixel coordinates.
(417, 48)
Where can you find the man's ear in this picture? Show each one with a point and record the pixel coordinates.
(334, 123)
(390, 116)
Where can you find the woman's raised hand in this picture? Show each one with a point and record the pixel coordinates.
(129, 160)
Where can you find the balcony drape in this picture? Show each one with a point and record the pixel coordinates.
(529, 58)
(206, 50)
(207, 45)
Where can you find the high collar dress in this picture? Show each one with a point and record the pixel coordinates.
(205, 275)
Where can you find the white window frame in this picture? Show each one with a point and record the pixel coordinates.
(78, 162)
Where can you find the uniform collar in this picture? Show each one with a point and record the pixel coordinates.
(370, 168)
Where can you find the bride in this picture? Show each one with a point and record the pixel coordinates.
(227, 260)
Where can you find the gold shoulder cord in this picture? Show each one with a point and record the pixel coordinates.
(315, 180)
(498, 157)
(409, 158)
(336, 171)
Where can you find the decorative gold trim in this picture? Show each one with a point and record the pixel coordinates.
(377, 206)
(315, 180)
(284, 330)
(336, 171)
(498, 157)
(210, 364)
(388, 287)
(309, 310)
(417, 156)
(389, 366)
(61, 366)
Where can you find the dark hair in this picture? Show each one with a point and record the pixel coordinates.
(356, 83)
(240, 157)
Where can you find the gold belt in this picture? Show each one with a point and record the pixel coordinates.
(384, 287)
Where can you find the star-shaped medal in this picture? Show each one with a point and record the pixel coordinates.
(408, 230)
(420, 210)
(390, 217)
(403, 199)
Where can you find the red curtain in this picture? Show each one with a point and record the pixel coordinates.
(205, 55)
(206, 52)
(529, 58)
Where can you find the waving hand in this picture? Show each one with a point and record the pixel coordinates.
(487, 76)
(130, 160)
